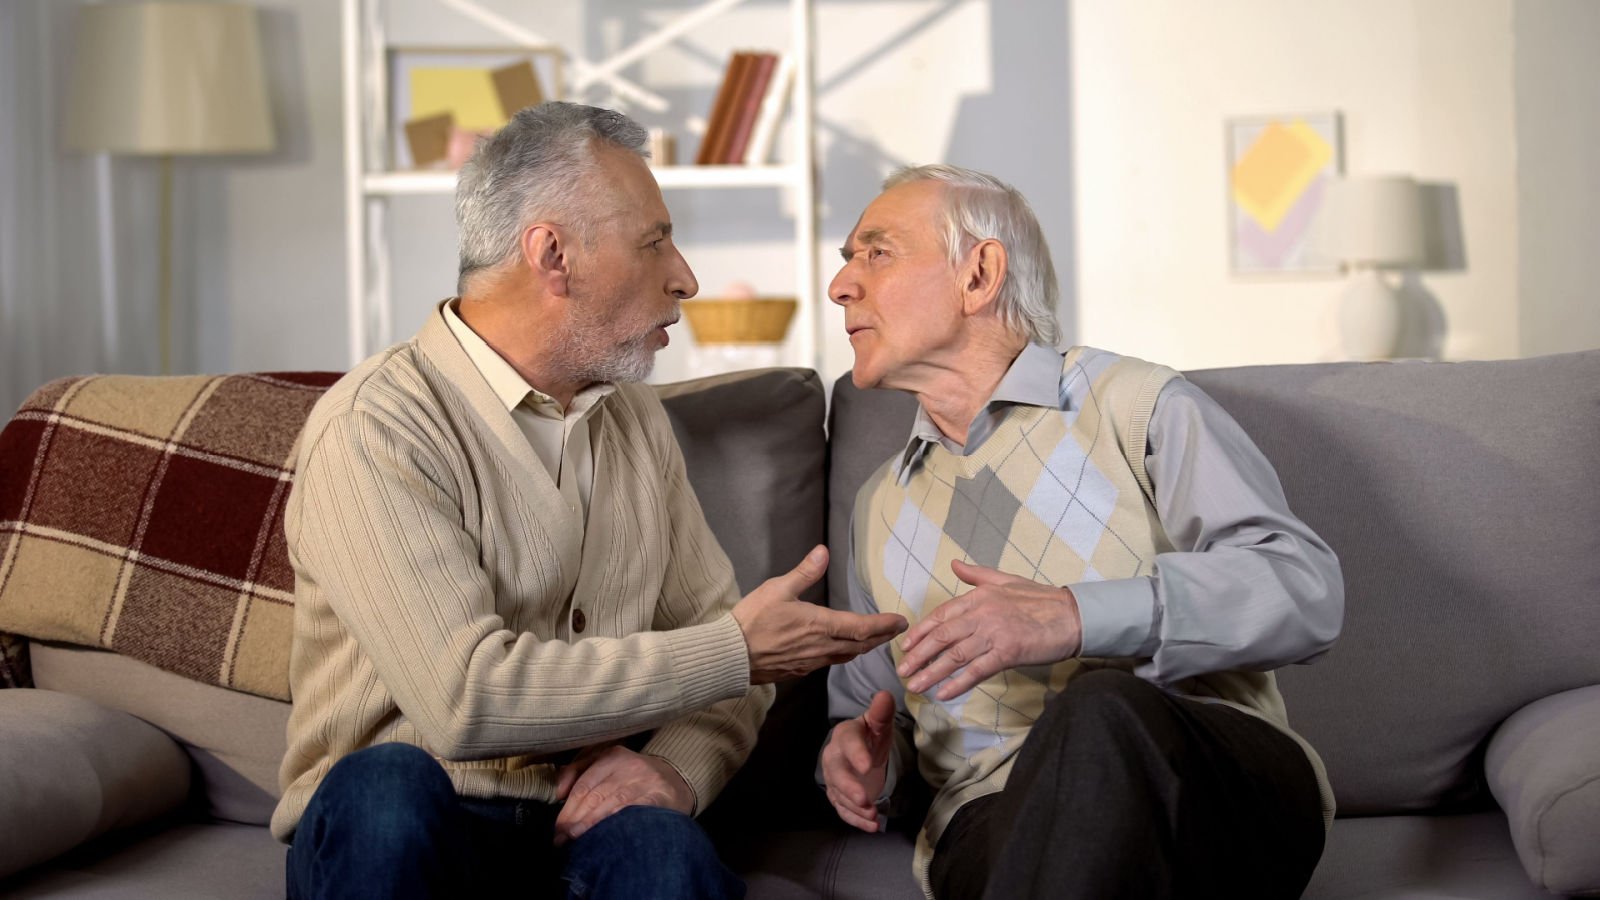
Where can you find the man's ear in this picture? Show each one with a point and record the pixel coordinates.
(546, 253)
(982, 273)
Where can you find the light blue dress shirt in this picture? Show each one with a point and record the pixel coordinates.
(1248, 586)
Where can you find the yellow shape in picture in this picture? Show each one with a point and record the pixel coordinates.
(467, 94)
(1276, 169)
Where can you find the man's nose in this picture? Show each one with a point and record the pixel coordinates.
(843, 289)
(683, 284)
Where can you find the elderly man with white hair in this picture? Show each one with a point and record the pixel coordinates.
(1101, 572)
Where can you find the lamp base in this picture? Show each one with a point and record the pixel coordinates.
(1370, 317)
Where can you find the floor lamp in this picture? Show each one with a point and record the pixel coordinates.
(165, 80)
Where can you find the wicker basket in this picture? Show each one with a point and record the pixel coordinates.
(762, 320)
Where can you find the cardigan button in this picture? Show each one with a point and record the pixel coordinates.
(579, 620)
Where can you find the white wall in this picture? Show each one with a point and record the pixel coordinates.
(1558, 132)
(1425, 87)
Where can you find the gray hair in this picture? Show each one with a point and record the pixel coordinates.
(538, 166)
(978, 207)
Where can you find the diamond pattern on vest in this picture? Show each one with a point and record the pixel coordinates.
(1073, 499)
(980, 518)
(908, 557)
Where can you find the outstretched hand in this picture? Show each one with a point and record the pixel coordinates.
(1005, 621)
(855, 763)
(788, 637)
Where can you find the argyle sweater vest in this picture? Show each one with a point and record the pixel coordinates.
(1059, 496)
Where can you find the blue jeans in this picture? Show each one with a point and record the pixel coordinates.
(386, 822)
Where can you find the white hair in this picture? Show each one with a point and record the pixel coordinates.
(538, 166)
(979, 207)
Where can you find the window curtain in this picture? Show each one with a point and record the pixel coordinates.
(77, 242)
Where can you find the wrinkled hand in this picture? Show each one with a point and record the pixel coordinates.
(1005, 621)
(855, 763)
(603, 780)
(789, 637)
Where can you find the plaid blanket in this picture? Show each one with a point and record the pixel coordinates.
(145, 516)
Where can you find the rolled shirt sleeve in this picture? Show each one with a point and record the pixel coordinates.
(1248, 586)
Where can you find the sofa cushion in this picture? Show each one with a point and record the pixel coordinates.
(71, 769)
(145, 515)
(1461, 499)
(865, 428)
(235, 739)
(1462, 857)
(755, 449)
(188, 861)
(1544, 768)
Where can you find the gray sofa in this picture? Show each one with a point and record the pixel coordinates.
(1459, 716)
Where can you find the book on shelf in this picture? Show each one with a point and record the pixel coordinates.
(748, 105)
(716, 137)
(771, 113)
(748, 108)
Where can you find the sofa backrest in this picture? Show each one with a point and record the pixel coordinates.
(1463, 500)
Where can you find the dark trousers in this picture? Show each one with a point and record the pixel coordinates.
(1123, 790)
(387, 823)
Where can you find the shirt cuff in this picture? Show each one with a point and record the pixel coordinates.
(1118, 618)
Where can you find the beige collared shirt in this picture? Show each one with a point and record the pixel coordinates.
(560, 438)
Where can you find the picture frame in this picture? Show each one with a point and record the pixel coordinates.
(425, 82)
(1278, 171)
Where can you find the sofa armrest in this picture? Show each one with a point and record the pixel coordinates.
(71, 770)
(1543, 766)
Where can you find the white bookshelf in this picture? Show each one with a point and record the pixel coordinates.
(370, 184)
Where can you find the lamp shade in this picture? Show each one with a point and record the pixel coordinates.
(168, 78)
(1372, 221)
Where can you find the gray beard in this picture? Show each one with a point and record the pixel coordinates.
(588, 355)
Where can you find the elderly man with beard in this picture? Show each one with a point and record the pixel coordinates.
(502, 572)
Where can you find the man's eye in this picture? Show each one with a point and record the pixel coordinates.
(876, 252)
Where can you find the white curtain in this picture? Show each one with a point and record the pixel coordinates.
(77, 267)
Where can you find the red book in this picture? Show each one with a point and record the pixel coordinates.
(716, 139)
(748, 107)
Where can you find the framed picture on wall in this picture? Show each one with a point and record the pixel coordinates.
(1279, 168)
(441, 99)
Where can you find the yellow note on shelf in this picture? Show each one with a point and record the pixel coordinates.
(467, 94)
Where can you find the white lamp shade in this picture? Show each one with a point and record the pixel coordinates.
(168, 78)
(1372, 221)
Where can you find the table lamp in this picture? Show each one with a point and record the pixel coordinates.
(165, 80)
(1372, 224)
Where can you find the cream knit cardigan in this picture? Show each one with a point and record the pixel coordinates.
(438, 572)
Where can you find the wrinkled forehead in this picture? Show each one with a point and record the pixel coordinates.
(906, 213)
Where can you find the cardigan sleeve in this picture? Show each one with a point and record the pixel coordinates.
(706, 746)
(380, 531)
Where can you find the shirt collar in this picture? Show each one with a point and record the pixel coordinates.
(507, 384)
(1033, 379)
